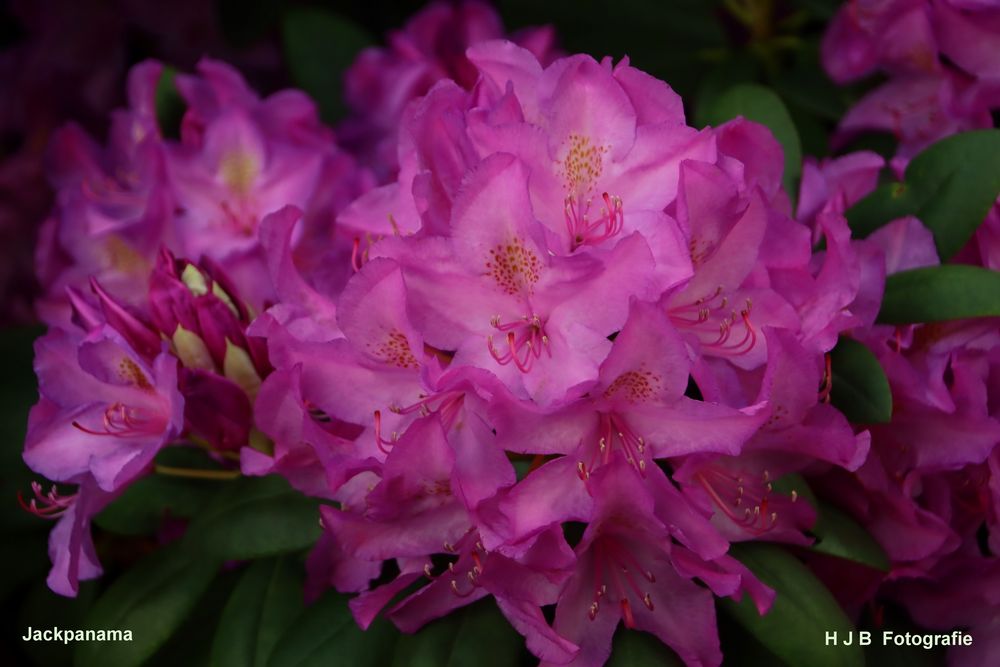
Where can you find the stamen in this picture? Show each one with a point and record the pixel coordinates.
(582, 231)
(122, 421)
(53, 504)
(383, 444)
(706, 322)
(755, 517)
(526, 339)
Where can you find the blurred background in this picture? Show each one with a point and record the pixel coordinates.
(67, 60)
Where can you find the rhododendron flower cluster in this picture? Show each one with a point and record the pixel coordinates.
(940, 58)
(522, 332)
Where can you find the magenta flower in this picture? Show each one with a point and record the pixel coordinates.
(940, 58)
(629, 570)
(430, 48)
(104, 410)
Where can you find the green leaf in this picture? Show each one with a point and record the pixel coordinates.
(883, 205)
(325, 634)
(860, 389)
(151, 600)
(476, 635)
(950, 187)
(760, 104)
(191, 643)
(319, 47)
(169, 104)
(143, 506)
(837, 534)
(632, 648)
(255, 517)
(261, 609)
(803, 611)
(940, 293)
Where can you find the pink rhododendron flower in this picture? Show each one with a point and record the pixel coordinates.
(430, 48)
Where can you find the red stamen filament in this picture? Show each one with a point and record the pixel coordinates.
(612, 559)
(526, 339)
(700, 316)
(613, 427)
(121, 421)
(383, 444)
(53, 505)
(449, 403)
(582, 231)
(752, 498)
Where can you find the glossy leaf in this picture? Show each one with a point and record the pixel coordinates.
(142, 507)
(325, 634)
(261, 608)
(860, 388)
(940, 293)
(151, 599)
(950, 187)
(191, 643)
(255, 517)
(319, 47)
(837, 534)
(802, 613)
(762, 105)
(475, 635)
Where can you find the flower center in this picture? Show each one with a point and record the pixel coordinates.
(514, 267)
(614, 564)
(122, 421)
(614, 429)
(239, 170)
(745, 500)
(394, 350)
(584, 232)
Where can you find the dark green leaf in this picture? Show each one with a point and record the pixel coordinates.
(632, 648)
(326, 635)
(170, 105)
(151, 600)
(884, 204)
(940, 293)
(255, 517)
(476, 635)
(261, 609)
(191, 643)
(803, 611)
(319, 47)
(762, 105)
(860, 388)
(142, 507)
(837, 534)
(950, 187)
